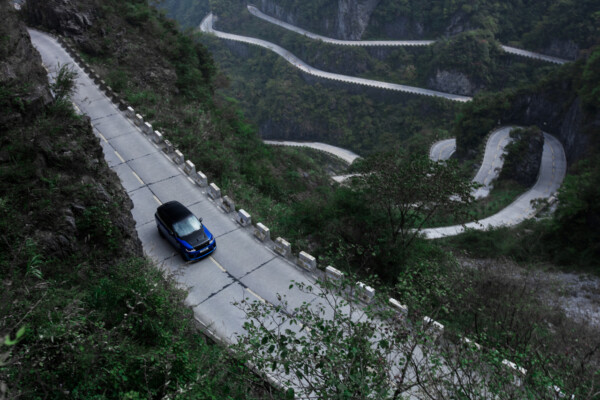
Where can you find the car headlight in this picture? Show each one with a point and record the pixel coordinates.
(189, 250)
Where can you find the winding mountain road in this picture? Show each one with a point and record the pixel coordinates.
(207, 27)
(491, 164)
(553, 168)
(391, 43)
(240, 268)
(552, 171)
(443, 149)
(344, 154)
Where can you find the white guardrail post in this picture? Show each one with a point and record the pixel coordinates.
(157, 137)
(227, 204)
(307, 261)
(282, 247)
(214, 192)
(189, 168)
(333, 274)
(435, 328)
(366, 293)
(262, 232)
(130, 113)
(178, 157)
(243, 218)
(200, 179)
(147, 128)
(401, 308)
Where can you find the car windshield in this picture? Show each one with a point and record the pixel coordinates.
(187, 226)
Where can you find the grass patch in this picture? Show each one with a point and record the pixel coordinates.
(501, 196)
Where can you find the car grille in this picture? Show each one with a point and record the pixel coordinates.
(201, 246)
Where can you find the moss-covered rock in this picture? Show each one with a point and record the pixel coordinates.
(523, 156)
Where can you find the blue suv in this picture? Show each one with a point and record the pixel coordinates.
(184, 231)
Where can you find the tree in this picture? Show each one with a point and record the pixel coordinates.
(410, 191)
(65, 82)
(333, 346)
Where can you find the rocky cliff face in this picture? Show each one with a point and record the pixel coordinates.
(453, 82)
(353, 17)
(524, 155)
(550, 114)
(349, 22)
(62, 16)
(65, 17)
(566, 49)
(57, 154)
(20, 69)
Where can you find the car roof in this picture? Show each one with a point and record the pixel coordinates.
(172, 212)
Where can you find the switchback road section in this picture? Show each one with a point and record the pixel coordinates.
(207, 27)
(390, 43)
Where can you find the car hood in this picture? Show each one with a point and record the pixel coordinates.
(197, 238)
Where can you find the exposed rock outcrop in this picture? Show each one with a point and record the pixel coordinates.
(353, 17)
(403, 28)
(277, 11)
(20, 66)
(349, 22)
(566, 49)
(62, 155)
(548, 112)
(459, 23)
(61, 16)
(453, 82)
(523, 156)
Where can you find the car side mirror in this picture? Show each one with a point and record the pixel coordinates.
(200, 219)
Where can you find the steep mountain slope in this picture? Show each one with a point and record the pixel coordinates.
(82, 313)
(566, 104)
(524, 22)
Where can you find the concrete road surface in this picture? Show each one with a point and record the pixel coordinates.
(241, 267)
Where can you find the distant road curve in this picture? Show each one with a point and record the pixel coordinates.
(492, 159)
(552, 172)
(344, 154)
(442, 150)
(553, 168)
(207, 27)
(393, 43)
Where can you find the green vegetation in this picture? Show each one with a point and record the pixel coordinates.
(571, 237)
(476, 54)
(83, 315)
(364, 120)
(525, 23)
(502, 194)
(334, 346)
(176, 93)
(408, 192)
(188, 14)
(88, 309)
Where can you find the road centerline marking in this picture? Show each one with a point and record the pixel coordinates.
(118, 155)
(157, 200)
(256, 295)
(217, 264)
(138, 177)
